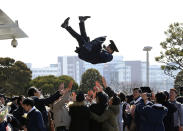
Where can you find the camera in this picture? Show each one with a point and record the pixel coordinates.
(149, 95)
(14, 43)
(147, 90)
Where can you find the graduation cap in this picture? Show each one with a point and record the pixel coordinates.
(145, 89)
(113, 46)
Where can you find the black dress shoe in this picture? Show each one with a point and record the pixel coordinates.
(77, 50)
(66, 23)
(83, 18)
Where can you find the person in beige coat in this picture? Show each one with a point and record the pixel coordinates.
(109, 117)
(60, 112)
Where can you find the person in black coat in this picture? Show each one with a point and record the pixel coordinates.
(98, 108)
(19, 112)
(134, 118)
(14, 104)
(40, 104)
(90, 51)
(34, 117)
(80, 114)
(169, 118)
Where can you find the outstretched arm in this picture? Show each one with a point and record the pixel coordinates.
(65, 97)
(107, 90)
(54, 97)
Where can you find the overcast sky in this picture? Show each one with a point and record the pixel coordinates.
(132, 24)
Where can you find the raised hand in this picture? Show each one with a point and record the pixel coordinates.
(61, 88)
(132, 109)
(73, 96)
(90, 93)
(104, 82)
(100, 88)
(153, 96)
(70, 85)
(97, 84)
(144, 97)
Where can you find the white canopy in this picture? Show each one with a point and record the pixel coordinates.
(9, 29)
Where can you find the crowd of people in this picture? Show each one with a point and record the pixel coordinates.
(101, 109)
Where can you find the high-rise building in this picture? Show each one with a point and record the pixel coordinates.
(158, 80)
(72, 66)
(136, 70)
(114, 71)
(51, 70)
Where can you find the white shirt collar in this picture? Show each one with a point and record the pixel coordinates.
(158, 105)
(32, 109)
(136, 101)
(148, 102)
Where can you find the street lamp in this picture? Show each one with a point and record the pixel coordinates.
(147, 49)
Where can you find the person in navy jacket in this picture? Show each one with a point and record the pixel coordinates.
(34, 117)
(40, 103)
(153, 115)
(90, 51)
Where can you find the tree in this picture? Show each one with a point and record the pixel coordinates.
(88, 79)
(178, 80)
(49, 84)
(172, 56)
(14, 76)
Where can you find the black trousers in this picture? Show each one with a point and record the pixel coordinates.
(83, 38)
(83, 31)
(61, 128)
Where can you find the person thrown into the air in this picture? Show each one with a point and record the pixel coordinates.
(90, 51)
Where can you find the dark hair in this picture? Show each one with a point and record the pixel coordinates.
(160, 97)
(31, 91)
(166, 94)
(28, 102)
(129, 98)
(121, 96)
(19, 99)
(173, 89)
(139, 90)
(80, 97)
(14, 98)
(102, 97)
(145, 89)
(115, 100)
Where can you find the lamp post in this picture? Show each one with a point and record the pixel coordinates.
(147, 49)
